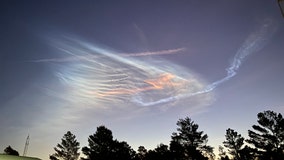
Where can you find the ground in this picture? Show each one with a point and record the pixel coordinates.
(9, 157)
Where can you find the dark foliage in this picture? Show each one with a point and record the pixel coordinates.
(52, 157)
(10, 151)
(103, 147)
(268, 136)
(222, 154)
(162, 152)
(234, 143)
(189, 143)
(141, 154)
(247, 153)
(68, 149)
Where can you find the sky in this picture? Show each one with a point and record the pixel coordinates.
(136, 67)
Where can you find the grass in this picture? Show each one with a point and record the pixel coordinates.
(9, 157)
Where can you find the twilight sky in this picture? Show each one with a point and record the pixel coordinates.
(136, 67)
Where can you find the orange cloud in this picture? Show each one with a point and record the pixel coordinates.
(163, 81)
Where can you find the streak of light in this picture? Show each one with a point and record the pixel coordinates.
(91, 56)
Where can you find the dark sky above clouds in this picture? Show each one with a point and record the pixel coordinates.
(136, 67)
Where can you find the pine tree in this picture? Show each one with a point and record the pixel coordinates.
(268, 137)
(234, 143)
(102, 146)
(189, 143)
(68, 149)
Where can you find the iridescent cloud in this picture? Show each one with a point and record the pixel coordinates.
(103, 77)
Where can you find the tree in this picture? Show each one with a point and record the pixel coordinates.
(188, 142)
(68, 149)
(142, 151)
(103, 147)
(100, 144)
(207, 151)
(10, 151)
(177, 148)
(247, 153)
(234, 143)
(268, 137)
(161, 152)
(123, 151)
(222, 154)
(52, 157)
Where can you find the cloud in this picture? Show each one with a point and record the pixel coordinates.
(112, 78)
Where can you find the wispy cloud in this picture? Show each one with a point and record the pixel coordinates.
(75, 57)
(254, 43)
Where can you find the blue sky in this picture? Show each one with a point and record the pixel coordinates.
(136, 67)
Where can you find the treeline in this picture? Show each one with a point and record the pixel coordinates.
(265, 142)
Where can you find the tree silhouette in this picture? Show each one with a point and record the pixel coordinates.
(123, 151)
(188, 142)
(103, 147)
(247, 153)
(142, 151)
(268, 137)
(100, 144)
(52, 157)
(68, 149)
(177, 149)
(10, 151)
(234, 143)
(161, 152)
(222, 153)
